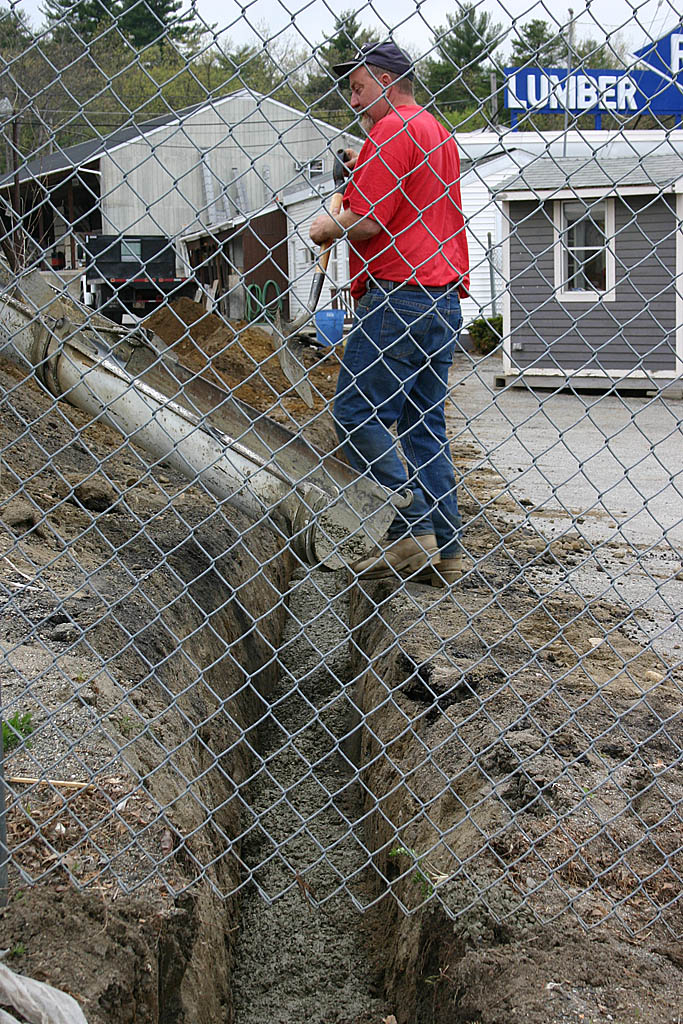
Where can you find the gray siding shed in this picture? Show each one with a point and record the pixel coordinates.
(633, 328)
(638, 329)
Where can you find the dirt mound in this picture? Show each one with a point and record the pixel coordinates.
(171, 322)
(240, 356)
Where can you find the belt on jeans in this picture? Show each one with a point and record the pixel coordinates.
(391, 286)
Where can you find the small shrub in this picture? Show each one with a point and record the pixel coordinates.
(419, 877)
(15, 729)
(486, 333)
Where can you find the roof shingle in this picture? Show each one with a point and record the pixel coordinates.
(547, 174)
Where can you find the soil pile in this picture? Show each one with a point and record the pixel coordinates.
(240, 357)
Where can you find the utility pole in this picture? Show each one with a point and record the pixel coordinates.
(570, 61)
(16, 192)
(11, 241)
(6, 109)
(493, 86)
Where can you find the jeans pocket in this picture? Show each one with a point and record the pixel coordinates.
(397, 340)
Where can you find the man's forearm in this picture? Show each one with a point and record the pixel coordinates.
(326, 228)
(358, 228)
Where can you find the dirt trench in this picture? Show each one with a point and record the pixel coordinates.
(153, 641)
(143, 635)
(308, 956)
(138, 631)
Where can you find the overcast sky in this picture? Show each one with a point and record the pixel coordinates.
(410, 21)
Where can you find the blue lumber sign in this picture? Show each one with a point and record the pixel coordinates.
(657, 91)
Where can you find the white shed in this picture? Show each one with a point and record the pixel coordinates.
(485, 232)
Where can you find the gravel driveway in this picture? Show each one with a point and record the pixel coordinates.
(603, 468)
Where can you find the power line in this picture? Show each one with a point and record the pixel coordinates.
(199, 124)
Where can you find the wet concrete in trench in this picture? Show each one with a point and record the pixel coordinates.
(305, 956)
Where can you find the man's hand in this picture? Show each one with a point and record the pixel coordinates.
(350, 158)
(324, 229)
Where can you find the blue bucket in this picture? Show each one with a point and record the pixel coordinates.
(329, 326)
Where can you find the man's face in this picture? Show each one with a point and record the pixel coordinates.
(368, 96)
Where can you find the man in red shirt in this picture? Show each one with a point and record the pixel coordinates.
(409, 264)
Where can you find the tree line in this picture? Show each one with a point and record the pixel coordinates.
(96, 65)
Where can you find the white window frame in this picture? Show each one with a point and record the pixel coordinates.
(562, 294)
(313, 167)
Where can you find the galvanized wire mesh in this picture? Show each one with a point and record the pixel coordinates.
(187, 694)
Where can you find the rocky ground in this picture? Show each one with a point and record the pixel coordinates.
(508, 819)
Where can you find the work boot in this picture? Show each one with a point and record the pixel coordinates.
(403, 558)
(447, 571)
(443, 572)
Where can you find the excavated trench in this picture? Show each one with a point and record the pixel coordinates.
(176, 649)
(226, 698)
(216, 690)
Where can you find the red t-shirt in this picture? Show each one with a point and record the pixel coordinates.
(407, 178)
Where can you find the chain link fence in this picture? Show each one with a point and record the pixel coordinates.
(198, 682)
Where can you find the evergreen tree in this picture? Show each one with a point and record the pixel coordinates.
(322, 92)
(81, 18)
(143, 22)
(15, 31)
(149, 21)
(539, 46)
(458, 77)
(589, 53)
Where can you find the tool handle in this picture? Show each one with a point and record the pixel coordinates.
(325, 250)
(326, 247)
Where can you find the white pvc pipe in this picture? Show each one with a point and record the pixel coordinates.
(153, 422)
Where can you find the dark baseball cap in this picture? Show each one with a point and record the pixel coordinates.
(387, 56)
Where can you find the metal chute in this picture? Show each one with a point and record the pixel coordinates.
(128, 380)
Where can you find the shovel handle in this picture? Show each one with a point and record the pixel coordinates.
(326, 247)
(325, 250)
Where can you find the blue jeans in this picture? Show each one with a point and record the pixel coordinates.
(395, 371)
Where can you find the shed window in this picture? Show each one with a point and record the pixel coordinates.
(131, 250)
(584, 260)
(585, 247)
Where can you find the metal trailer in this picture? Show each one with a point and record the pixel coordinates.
(131, 275)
